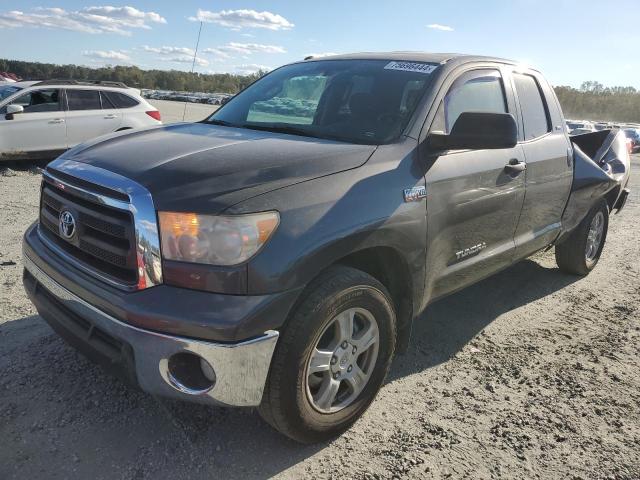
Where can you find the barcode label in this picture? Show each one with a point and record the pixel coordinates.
(426, 68)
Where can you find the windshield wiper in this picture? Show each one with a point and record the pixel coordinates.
(222, 123)
(279, 129)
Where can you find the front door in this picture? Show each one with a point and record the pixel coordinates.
(473, 198)
(40, 128)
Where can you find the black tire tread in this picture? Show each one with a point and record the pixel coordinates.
(333, 280)
(570, 253)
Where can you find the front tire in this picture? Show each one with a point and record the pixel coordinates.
(580, 252)
(332, 356)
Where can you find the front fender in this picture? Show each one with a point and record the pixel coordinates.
(326, 219)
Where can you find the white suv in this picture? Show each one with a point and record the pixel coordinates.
(43, 119)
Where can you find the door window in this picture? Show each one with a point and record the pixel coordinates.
(47, 100)
(475, 91)
(106, 103)
(535, 115)
(83, 99)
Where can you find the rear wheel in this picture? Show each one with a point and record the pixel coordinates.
(579, 254)
(331, 358)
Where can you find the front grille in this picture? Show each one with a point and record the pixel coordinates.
(104, 239)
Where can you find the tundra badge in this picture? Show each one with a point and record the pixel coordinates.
(414, 194)
(470, 251)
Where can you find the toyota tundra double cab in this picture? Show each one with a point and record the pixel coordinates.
(276, 254)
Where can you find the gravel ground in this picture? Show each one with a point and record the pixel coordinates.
(529, 374)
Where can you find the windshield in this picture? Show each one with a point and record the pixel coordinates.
(7, 90)
(358, 101)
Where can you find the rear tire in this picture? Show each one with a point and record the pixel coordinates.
(342, 333)
(580, 252)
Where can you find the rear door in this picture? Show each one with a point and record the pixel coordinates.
(89, 115)
(125, 104)
(40, 128)
(473, 200)
(548, 156)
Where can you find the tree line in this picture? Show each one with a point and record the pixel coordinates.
(133, 76)
(591, 101)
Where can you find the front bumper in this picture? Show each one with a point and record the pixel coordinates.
(143, 356)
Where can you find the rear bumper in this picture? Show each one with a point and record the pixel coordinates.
(143, 356)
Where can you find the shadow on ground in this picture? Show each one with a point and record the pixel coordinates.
(450, 323)
(64, 417)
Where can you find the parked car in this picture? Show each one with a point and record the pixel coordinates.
(41, 119)
(277, 257)
(633, 134)
(586, 126)
(580, 131)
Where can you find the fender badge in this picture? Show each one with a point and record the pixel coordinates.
(470, 251)
(415, 194)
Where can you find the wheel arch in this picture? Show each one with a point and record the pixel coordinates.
(389, 267)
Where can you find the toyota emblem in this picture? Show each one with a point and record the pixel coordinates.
(66, 225)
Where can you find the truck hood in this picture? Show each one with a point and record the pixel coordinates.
(206, 168)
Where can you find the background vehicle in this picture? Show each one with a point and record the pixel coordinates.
(43, 119)
(580, 131)
(277, 254)
(633, 134)
(584, 126)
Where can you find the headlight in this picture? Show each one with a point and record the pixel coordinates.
(214, 240)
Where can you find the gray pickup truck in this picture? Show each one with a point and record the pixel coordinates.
(276, 254)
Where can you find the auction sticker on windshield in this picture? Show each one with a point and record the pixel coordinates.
(426, 68)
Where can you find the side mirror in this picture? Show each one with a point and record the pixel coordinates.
(13, 110)
(477, 131)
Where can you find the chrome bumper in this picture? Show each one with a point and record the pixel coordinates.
(240, 369)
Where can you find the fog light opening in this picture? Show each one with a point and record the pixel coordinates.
(190, 373)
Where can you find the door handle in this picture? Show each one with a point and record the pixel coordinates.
(57, 120)
(515, 166)
(109, 117)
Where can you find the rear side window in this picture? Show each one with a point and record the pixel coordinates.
(120, 100)
(535, 116)
(475, 91)
(84, 100)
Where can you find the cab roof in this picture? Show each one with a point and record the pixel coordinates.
(426, 57)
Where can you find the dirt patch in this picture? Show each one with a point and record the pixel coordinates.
(529, 374)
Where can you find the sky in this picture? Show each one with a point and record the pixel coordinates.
(569, 41)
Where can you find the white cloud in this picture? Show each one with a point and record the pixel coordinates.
(202, 62)
(443, 28)
(239, 19)
(102, 19)
(108, 55)
(176, 54)
(169, 50)
(244, 49)
(250, 68)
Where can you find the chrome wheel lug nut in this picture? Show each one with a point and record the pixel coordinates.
(350, 368)
(344, 344)
(354, 350)
(334, 360)
(336, 375)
